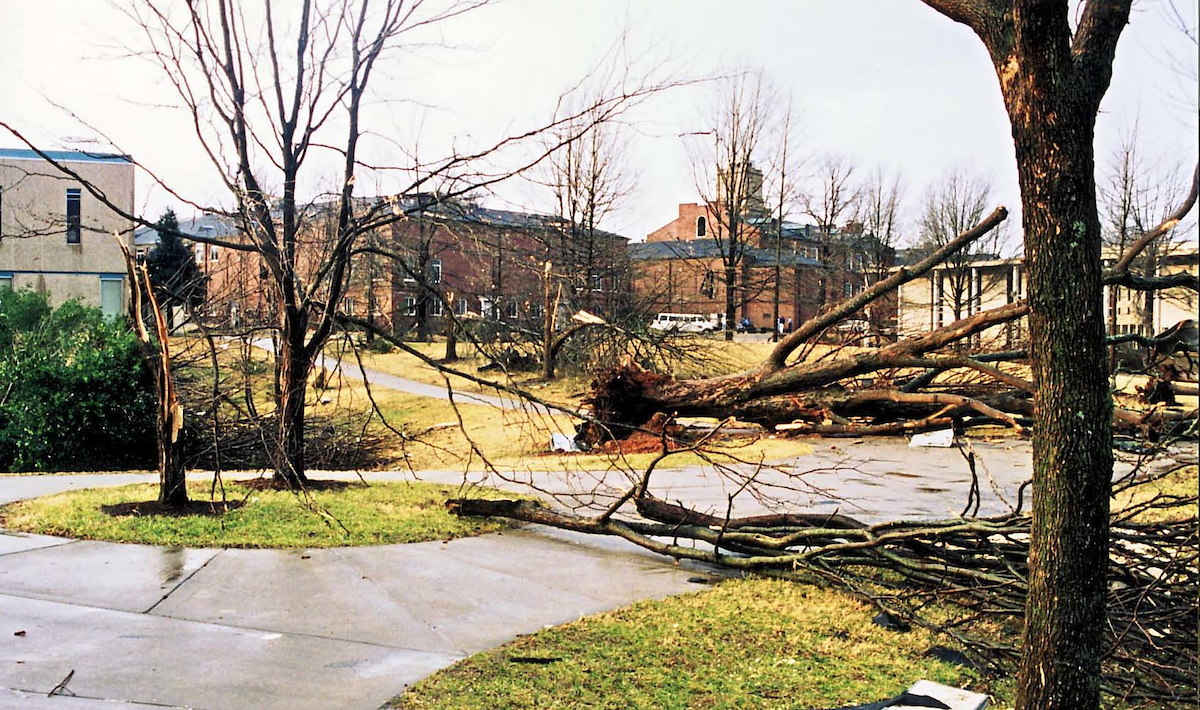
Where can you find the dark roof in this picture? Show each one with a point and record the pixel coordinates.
(708, 249)
(207, 225)
(913, 255)
(426, 204)
(687, 249)
(64, 156)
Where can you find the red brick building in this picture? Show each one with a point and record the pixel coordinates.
(480, 262)
(679, 269)
(489, 263)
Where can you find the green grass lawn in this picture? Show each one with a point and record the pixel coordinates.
(743, 644)
(376, 514)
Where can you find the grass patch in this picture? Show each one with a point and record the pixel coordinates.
(1174, 495)
(359, 514)
(743, 644)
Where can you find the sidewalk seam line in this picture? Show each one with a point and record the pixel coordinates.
(182, 582)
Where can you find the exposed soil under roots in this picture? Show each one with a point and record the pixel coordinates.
(647, 439)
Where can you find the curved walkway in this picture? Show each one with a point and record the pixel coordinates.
(377, 378)
(331, 628)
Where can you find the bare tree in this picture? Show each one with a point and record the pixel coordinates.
(266, 96)
(589, 178)
(1134, 195)
(830, 198)
(879, 210)
(834, 192)
(951, 206)
(730, 185)
(782, 179)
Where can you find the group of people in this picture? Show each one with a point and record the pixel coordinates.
(783, 325)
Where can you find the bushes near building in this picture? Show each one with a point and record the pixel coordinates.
(75, 393)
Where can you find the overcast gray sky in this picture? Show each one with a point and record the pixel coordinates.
(890, 84)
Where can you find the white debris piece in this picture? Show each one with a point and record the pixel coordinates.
(563, 443)
(943, 439)
(954, 698)
(585, 317)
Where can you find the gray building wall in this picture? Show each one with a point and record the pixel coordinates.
(34, 253)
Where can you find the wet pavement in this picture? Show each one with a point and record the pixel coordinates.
(335, 628)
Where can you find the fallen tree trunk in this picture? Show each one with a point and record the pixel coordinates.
(903, 387)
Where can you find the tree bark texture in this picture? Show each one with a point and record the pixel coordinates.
(295, 364)
(1072, 444)
(1052, 80)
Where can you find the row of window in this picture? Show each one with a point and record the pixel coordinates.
(436, 307)
(112, 293)
(212, 252)
(434, 271)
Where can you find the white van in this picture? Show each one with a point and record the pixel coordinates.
(683, 322)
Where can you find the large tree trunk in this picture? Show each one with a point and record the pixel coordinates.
(294, 366)
(1054, 64)
(1072, 443)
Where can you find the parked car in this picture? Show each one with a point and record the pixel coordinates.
(683, 322)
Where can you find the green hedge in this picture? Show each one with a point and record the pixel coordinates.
(75, 393)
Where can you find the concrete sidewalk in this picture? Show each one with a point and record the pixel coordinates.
(334, 628)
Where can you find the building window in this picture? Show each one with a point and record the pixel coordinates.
(701, 227)
(74, 233)
(510, 309)
(212, 253)
(708, 286)
(435, 307)
(460, 306)
(849, 288)
(435, 271)
(111, 289)
(199, 249)
(410, 306)
(348, 306)
(596, 281)
(6, 281)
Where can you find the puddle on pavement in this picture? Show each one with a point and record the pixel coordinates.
(171, 565)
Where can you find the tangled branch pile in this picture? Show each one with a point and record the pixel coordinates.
(964, 577)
